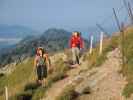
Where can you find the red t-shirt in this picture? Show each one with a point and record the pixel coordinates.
(76, 42)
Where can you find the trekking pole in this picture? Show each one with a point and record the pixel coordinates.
(6, 93)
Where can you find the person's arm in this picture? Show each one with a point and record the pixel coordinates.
(47, 61)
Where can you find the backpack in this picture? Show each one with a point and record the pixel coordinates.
(41, 61)
(78, 42)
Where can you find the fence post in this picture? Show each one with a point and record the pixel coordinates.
(101, 43)
(91, 44)
(6, 93)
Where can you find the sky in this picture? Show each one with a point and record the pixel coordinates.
(68, 14)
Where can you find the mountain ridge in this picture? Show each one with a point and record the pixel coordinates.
(53, 40)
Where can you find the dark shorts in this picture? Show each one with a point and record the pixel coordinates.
(41, 72)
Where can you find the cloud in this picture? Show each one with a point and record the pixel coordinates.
(10, 40)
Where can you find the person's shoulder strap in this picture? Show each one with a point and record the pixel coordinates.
(46, 55)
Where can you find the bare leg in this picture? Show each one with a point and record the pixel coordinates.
(44, 82)
(73, 56)
(39, 82)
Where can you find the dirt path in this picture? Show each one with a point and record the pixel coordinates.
(56, 89)
(59, 86)
(107, 83)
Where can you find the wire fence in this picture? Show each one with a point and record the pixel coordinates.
(108, 24)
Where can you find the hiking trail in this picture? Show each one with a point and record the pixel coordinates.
(105, 81)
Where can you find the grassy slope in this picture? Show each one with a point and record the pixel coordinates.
(22, 80)
(128, 69)
(18, 78)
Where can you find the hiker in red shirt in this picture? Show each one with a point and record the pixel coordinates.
(76, 44)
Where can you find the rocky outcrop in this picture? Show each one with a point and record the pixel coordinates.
(9, 68)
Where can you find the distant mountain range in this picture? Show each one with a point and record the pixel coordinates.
(12, 34)
(15, 31)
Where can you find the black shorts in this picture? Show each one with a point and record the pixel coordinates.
(41, 72)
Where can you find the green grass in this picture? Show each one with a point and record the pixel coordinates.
(39, 93)
(128, 90)
(127, 70)
(17, 79)
(94, 59)
(67, 94)
(24, 77)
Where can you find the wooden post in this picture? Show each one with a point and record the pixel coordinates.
(6, 93)
(101, 43)
(91, 44)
